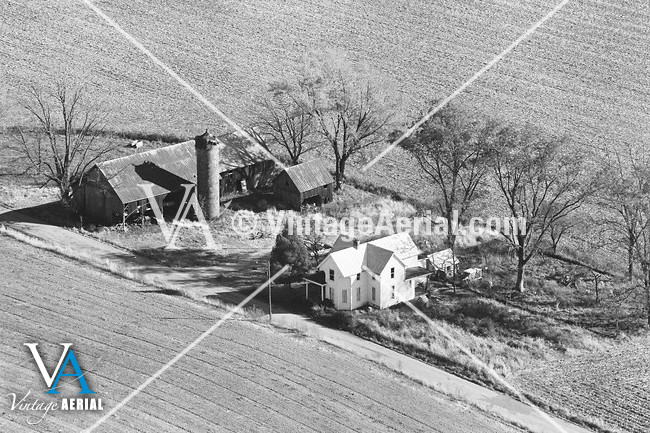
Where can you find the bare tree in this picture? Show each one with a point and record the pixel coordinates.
(624, 198)
(557, 232)
(352, 111)
(64, 144)
(542, 181)
(598, 278)
(627, 196)
(285, 121)
(452, 152)
(642, 254)
(637, 190)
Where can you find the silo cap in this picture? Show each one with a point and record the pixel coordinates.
(202, 141)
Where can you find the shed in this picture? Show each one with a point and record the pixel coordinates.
(306, 183)
(444, 261)
(472, 274)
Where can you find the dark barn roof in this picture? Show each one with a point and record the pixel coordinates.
(167, 168)
(309, 175)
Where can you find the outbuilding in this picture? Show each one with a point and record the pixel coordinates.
(444, 263)
(306, 183)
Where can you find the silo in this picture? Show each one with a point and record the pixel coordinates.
(207, 173)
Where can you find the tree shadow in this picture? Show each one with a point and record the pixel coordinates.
(52, 213)
(227, 277)
(257, 201)
(151, 172)
(223, 271)
(168, 292)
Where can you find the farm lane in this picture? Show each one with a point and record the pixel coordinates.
(245, 377)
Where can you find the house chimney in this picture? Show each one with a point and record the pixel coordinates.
(207, 173)
(355, 243)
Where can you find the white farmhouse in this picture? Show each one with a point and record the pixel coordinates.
(379, 273)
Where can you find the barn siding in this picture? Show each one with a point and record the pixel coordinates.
(97, 201)
(285, 190)
(325, 192)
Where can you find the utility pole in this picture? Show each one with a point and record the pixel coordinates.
(453, 267)
(270, 312)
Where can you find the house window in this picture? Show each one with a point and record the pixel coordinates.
(392, 272)
(331, 294)
(358, 293)
(331, 274)
(392, 293)
(358, 277)
(374, 293)
(344, 296)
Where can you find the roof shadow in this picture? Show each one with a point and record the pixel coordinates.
(157, 175)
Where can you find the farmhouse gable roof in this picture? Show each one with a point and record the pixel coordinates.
(400, 243)
(374, 255)
(349, 261)
(377, 258)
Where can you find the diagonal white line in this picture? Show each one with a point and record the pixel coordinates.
(184, 83)
(186, 350)
(483, 365)
(467, 83)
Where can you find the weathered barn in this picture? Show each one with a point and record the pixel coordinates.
(112, 191)
(306, 183)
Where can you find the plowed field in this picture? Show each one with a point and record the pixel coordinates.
(613, 386)
(584, 72)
